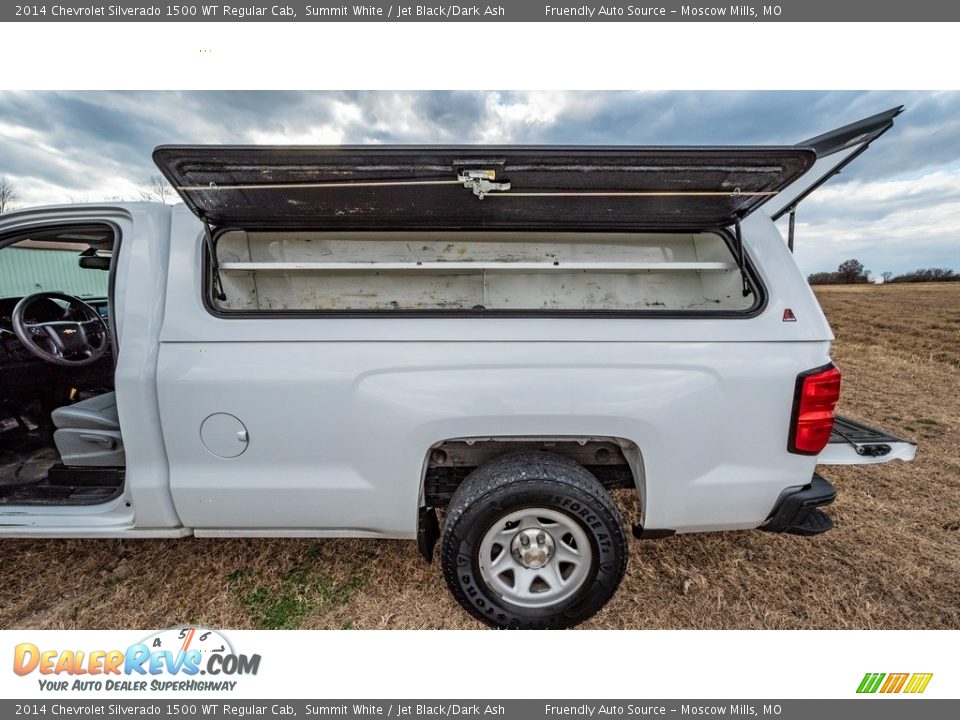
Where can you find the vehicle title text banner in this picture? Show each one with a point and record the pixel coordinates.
(506, 11)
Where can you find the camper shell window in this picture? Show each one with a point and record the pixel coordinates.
(474, 272)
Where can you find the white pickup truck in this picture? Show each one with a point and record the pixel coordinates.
(343, 341)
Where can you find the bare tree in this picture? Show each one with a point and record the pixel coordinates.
(8, 195)
(852, 271)
(156, 189)
(886, 276)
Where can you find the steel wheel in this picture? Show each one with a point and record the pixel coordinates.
(531, 540)
(535, 557)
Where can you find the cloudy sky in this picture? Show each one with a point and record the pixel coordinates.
(896, 208)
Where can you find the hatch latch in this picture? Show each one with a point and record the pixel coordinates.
(481, 182)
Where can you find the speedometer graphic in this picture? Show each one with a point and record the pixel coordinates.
(184, 638)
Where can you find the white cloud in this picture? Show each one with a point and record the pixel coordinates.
(896, 208)
(897, 224)
(516, 114)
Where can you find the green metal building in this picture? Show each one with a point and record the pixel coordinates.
(24, 271)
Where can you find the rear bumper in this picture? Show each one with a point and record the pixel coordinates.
(797, 511)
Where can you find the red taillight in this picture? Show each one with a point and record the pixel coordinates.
(813, 410)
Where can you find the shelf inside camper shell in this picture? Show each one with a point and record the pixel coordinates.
(459, 267)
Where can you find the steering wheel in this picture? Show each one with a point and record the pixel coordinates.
(62, 342)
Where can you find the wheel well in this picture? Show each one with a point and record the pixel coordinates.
(615, 462)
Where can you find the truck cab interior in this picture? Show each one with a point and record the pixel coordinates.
(60, 440)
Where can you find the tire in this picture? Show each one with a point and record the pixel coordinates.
(565, 545)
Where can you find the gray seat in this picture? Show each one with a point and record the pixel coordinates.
(88, 433)
(96, 413)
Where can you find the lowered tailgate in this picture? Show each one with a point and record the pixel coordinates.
(853, 443)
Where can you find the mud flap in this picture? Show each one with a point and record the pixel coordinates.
(428, 532)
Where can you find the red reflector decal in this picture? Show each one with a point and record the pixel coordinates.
(788, 315)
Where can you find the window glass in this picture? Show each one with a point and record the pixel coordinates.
(29, 267)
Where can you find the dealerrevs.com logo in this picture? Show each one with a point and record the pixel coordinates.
(183, 658)
(889, 683)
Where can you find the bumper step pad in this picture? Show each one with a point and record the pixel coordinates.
(816, 522)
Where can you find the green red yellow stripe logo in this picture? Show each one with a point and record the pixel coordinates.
(886, 683)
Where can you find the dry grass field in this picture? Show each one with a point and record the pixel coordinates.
(892, 562)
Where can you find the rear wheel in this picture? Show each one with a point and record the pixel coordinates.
(532, 540)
